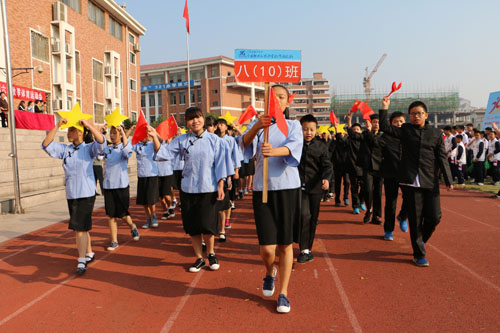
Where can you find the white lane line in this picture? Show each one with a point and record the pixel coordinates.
(315, 273)
(470, 218)
(456, 262)
(343, 295)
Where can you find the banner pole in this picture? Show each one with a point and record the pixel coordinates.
(265, 165)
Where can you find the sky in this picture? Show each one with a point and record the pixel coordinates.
(437, 45)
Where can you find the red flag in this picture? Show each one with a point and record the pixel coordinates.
(366, 110)
(141, 129)
(356, 106)
(291, 97)
(333, 118)
(249, 113)
(276, 112)
(186, 16)
(168, 128)
(394, 88)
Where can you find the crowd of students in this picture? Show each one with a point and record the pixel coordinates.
(213, 165)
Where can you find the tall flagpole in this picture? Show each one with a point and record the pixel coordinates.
(189, 73)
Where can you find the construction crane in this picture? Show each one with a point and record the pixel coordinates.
(368, 77)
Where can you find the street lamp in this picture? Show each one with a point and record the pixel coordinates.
(24, 70)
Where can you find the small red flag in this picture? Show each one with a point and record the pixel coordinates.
(168, 128)
(249, 113)
(141, 129)
(333, 118)
(291, 97)
(366, 110)
(276, 112)
(394, 88)
(186, 16)
(356, 106)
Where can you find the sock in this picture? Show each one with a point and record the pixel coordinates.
(227, 220)
(89, 256)
(306, 251)
(82, 262)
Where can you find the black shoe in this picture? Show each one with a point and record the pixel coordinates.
(367, 218)
(81, 268)
(213, 262)
(302, 258)
(199, 264)
(222, 238)
(310, 257)
(376, 220)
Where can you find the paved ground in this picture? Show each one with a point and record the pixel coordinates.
(357, 282)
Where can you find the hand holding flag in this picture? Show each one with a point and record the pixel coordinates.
(141, 129)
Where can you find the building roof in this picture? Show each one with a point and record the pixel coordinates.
(119, 12)
(184, 62)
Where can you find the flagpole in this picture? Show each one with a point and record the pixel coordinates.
(265, 164)
(189, 73)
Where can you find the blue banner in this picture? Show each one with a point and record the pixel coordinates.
(266, 55)
(492, 113)
(164, 86)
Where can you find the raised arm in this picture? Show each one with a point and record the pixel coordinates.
(52, 133)
(385, 127)
(98, 136)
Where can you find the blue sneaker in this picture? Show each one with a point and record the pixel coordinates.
(147, 225)
(422, 262)
(346, 202)
(355, 211)
(268, 286)
(403, 224)
(283, 304)
(154, 221)
(388, 236)
(363, 207)
(135, 234)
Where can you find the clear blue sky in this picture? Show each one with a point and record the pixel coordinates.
(440, 44)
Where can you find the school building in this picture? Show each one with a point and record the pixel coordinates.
(70, 51)
(213, 88)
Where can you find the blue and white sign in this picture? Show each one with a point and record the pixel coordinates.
(164, 86)
(492, 113)
(266, 55)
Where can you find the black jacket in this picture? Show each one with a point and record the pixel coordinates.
(370, 153)
(338, 152)
(391, 155)
(315, 165)
(353, 147)
(423, 153)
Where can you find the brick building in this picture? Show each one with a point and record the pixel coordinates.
(213, 88)
(81, 50)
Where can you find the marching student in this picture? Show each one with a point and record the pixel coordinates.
(478, 150)
(461, 159)
(450, 146)
(391, 160)
(147, 181)
(275, 220)
(315, 170)
(117, 185)
(80, 182)
(202, 182)
(338, 154)
(494, 157)
(166, 180)
(353, 169)
(423, 156)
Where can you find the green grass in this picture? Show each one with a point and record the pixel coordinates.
(487, 187)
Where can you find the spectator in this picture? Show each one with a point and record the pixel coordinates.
(38, 106)
(4, 108)
(44, 107)
(22, 106)
(31, 108)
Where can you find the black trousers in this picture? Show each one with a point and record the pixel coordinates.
(493, 171)
(453, 168)
(479, 172)
(308, 219)
(461, 169)
(373, 194)
(391, 188)
(4, 119)
(98, 175)
(341, 175)
(424, 214)
(357, 190)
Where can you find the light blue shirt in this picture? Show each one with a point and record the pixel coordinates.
(283, 171)
(178, 162)
(116, 166)
(165, 168)
(204, 161)
(233, 151)
(146, 166)
(78, 164)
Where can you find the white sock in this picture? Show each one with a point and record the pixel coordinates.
(306, 251)
(89, 256)
(81, 262)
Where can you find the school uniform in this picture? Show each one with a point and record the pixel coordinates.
(370, 159)
(353, 169)
(166, 178)
(204, 166)
(478, 151)
(147, 174)
(315, 165)
(233, 161)
(178, 165)
(275, 220)
(79, 179)
(338, 154)
(116, 182)
(461, 162)
(450, 146)
(423, 156)
(494, 149)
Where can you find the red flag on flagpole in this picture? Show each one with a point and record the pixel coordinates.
(168, 128)
(249, 113)
(291, 97)
(367, 111)
(356, 106)
(141, 130)
(276, 112)
(333, 118)
(186, 16)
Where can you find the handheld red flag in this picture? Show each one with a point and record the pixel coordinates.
(168, 128)
(394, 88)
(291, 97)
(249, 113)
(276, 112)
(356, 106)
(141, 129)
(186, 16)
(366, 110)
(333, 118)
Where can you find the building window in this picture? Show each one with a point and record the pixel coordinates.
(173, 100)
(213, 71)
(215, 103)
(96, 14)
(199, 95)
(133, 115)
(131, 38)
(77, 62)
(98, 113)
(115, 28)
(177, 77)
(76, 5)
(156, 79)
(143, 81)
(215, 91)
(193, 96)
(152, 99)
(132, 57)
(133, 85)
(97, 73)
(182, 97)
(39, 46)
(159, 98)
(143, 100)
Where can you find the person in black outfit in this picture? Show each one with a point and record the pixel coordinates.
(4, 109)
(353, 169)
(338, 154)
(391, 159)
(315, 170)
(423, 157)
(38, 106)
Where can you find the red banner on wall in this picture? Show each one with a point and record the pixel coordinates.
(24, 93)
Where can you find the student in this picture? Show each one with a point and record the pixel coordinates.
(117, 185)
(423, 154)
(353, 169)
(202, 182)
(166, 180)
(80, 183)
(315, 170)
(147, 181)
(497, 131)
(338, 154)
(31, 108)
(275, 220)
(450, 146)
(391, 160)
(478, 150)
(460, 160)
(4, 109)
(493, 157)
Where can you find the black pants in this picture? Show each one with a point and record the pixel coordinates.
(357, 189)
(373, 194)
(308, 219)
(461, 172)
(4, 119)
(453, 168)
(391, 187)
(424, 214)
(493, 171)
(98, 175)
(479, 172)
(340, 175)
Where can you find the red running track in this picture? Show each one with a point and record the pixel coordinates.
(357, 282)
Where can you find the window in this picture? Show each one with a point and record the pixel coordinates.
(215, 103)
(152, 99)
(76, 5)
(143, 100)
(132, 58)
(172, 98)
(97, 73)
(98, 113)
(215, 91)
(228, 73)
(182, 97)
(133, 85)
(159, 98)
(96, 14)
(133, 115)
(131, 38)
(143, 81)
(156, 79)
(39, 46)
(152, 118)
(115, 28)
(197, 74)
(177, 77)
(193, 97)
(199, 95)
(213, 71)
(77, 62)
